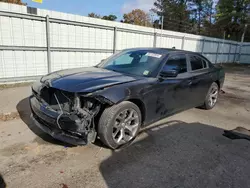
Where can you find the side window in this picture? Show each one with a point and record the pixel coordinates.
(177, 62)
(197, 63)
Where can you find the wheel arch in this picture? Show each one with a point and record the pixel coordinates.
(218, 83)
(141, 106)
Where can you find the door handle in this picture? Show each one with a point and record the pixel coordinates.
(189, 83)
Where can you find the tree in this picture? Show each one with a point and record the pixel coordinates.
(110, 17)
(192, 16)
(137, 17)
(208, 20)
(202, 12)
(232, 15)
(175, 13)
(19, 2)
(94, 15)
(197, 10)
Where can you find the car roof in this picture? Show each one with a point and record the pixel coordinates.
(163, 50)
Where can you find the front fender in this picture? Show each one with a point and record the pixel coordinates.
(114, 95)
(127, 91)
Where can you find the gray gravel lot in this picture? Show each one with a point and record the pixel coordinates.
(184, 150)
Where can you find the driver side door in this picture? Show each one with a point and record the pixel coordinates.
(174, 93)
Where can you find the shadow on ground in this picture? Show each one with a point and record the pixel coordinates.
(24, 111)
(2, 182)
(178, 154)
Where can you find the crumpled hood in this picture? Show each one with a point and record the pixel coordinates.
(85, 79)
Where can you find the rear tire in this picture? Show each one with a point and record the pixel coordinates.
(119, 124)
(212, 96)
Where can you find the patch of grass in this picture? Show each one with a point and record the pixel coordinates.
(21, 84)
(9, 116)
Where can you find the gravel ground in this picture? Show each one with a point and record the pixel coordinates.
(184, 150)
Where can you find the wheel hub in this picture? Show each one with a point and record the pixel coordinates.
(126, 126)
(213, 96)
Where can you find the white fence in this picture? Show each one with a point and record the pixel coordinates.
(33, 45)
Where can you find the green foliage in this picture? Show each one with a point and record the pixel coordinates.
(204, 17)
(175, 12)
(137, 17)
(110, 17)
(19, 2)
(94, 15)
(232, 15)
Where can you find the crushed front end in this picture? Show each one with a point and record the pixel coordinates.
(66, 116)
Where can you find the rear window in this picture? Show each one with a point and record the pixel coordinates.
(197, 63)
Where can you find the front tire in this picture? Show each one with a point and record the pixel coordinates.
(119, 124)
(212, 96)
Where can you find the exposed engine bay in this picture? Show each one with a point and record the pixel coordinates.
(76, 112)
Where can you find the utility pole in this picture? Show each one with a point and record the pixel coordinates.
(224, 35)
(244, 32)
(242, 40)
(162, 20)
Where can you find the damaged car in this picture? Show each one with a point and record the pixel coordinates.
(114, 99)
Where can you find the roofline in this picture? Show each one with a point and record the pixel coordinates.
(169, 50)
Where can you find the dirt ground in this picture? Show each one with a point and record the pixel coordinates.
(184, 150)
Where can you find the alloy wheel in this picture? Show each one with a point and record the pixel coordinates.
(125, 126)
(213, 96)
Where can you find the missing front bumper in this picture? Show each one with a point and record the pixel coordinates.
(46, 120)
(59, 134)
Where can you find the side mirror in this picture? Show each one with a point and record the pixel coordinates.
(169, 71)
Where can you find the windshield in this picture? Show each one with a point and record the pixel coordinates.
(136, 62)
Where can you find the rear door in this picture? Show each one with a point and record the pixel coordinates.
(201, 78)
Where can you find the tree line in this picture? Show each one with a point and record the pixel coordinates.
(221, 19)
(226, 19)
(19, 2)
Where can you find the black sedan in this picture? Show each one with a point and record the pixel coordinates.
(131, 89)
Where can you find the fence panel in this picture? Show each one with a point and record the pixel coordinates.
(65, 60)
(70, 36)
(245, 49)
(33, 45)
(224, 48)
(193, 45)
(165, 41)
(132, 40)
(22, 63)
(210, 47)
(22, 32)
(245, 53)
(211, 57)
